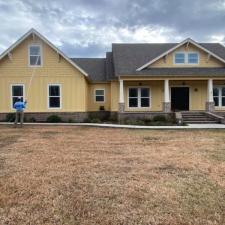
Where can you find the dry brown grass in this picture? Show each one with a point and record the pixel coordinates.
(72, 175)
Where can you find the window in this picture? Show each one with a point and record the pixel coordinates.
(100, 95)
(193, 58)
(186, 58)
(219, 96)
(54, 96)
(138, 97)
(35, 55)
(17, 92)
(179, 58)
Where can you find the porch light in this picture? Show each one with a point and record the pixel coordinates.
(196, 89)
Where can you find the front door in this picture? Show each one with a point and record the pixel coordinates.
(179, 98)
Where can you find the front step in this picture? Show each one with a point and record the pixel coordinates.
(197, 118)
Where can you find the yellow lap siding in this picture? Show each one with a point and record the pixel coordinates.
(55, 70)
(92, 104)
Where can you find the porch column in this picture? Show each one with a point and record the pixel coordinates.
(121, 97)
(210, 101)
(166, 102)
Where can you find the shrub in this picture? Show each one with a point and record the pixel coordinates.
(54, 119)
(95, 120)
(32, 120)
(160, 118)
(10, 117)
(70, 120)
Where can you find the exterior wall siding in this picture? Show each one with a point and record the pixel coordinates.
(92, 104)
(55, 70)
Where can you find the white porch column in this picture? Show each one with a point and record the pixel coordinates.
(121, 92)
(210, 101)
(210, 90)
(121, 97)
(166, 103)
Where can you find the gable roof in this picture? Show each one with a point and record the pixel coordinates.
(188, 40)
(33, 31)
(128, 57)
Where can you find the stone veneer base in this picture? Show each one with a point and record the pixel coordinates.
(209, 106)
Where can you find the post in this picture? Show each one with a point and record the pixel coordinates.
(166, 102)
(121, 97)
(210, 102)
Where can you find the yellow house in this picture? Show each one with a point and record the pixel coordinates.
(133, 80)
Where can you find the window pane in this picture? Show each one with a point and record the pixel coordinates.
(215, 92)
(99, 98)
(54, 90)
(223, 101)
(145, 102)
(17, 90)
(54, 102)
(192, 58)
(35, 50)
(35, 60)
(144, 92)
(133, 92)
(223, 91)
(216, 101)
(179, 58)
(99, 92)
(133, 102)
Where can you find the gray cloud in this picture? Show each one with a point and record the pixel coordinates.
(86, 28)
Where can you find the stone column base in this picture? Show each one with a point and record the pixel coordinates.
(166, 107)
(121, 107)
(210, 106)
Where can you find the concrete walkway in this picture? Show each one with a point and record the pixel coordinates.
(189, 126)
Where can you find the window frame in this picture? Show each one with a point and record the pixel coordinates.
(186, 54)
(139, 97)
(60, 96)
(188, 58)
(99, 89)
(41, 55)
(174, 58)
(11, 91)
(220, 96)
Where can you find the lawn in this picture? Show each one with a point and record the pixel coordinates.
(74, 175)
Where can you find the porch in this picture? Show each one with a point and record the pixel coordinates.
(152, 96)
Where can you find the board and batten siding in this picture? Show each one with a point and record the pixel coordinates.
(55, 70)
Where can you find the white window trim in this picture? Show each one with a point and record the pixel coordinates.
(41, 54)
(99, 89)
(219, 96)
(185, 58)
(11, 91)
(60, 96)
(174, 58)
(139, 97)
(193, 53)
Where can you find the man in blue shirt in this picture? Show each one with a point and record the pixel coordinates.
(19, 106)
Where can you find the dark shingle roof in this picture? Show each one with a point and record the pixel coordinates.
(126, 58)
(95, 67)
(129, 57)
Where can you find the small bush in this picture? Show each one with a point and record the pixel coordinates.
(160, 118)
(54, 119)
(10, 117)
(70, 120)
(135, 122)
(95, 120)
(32, 120)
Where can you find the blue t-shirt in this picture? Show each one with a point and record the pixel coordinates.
(19, 106)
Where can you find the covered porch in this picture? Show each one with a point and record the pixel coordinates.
(167, 95)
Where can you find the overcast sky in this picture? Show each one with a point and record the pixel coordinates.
(86, 28)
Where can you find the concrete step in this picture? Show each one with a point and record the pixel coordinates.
(202, 122)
